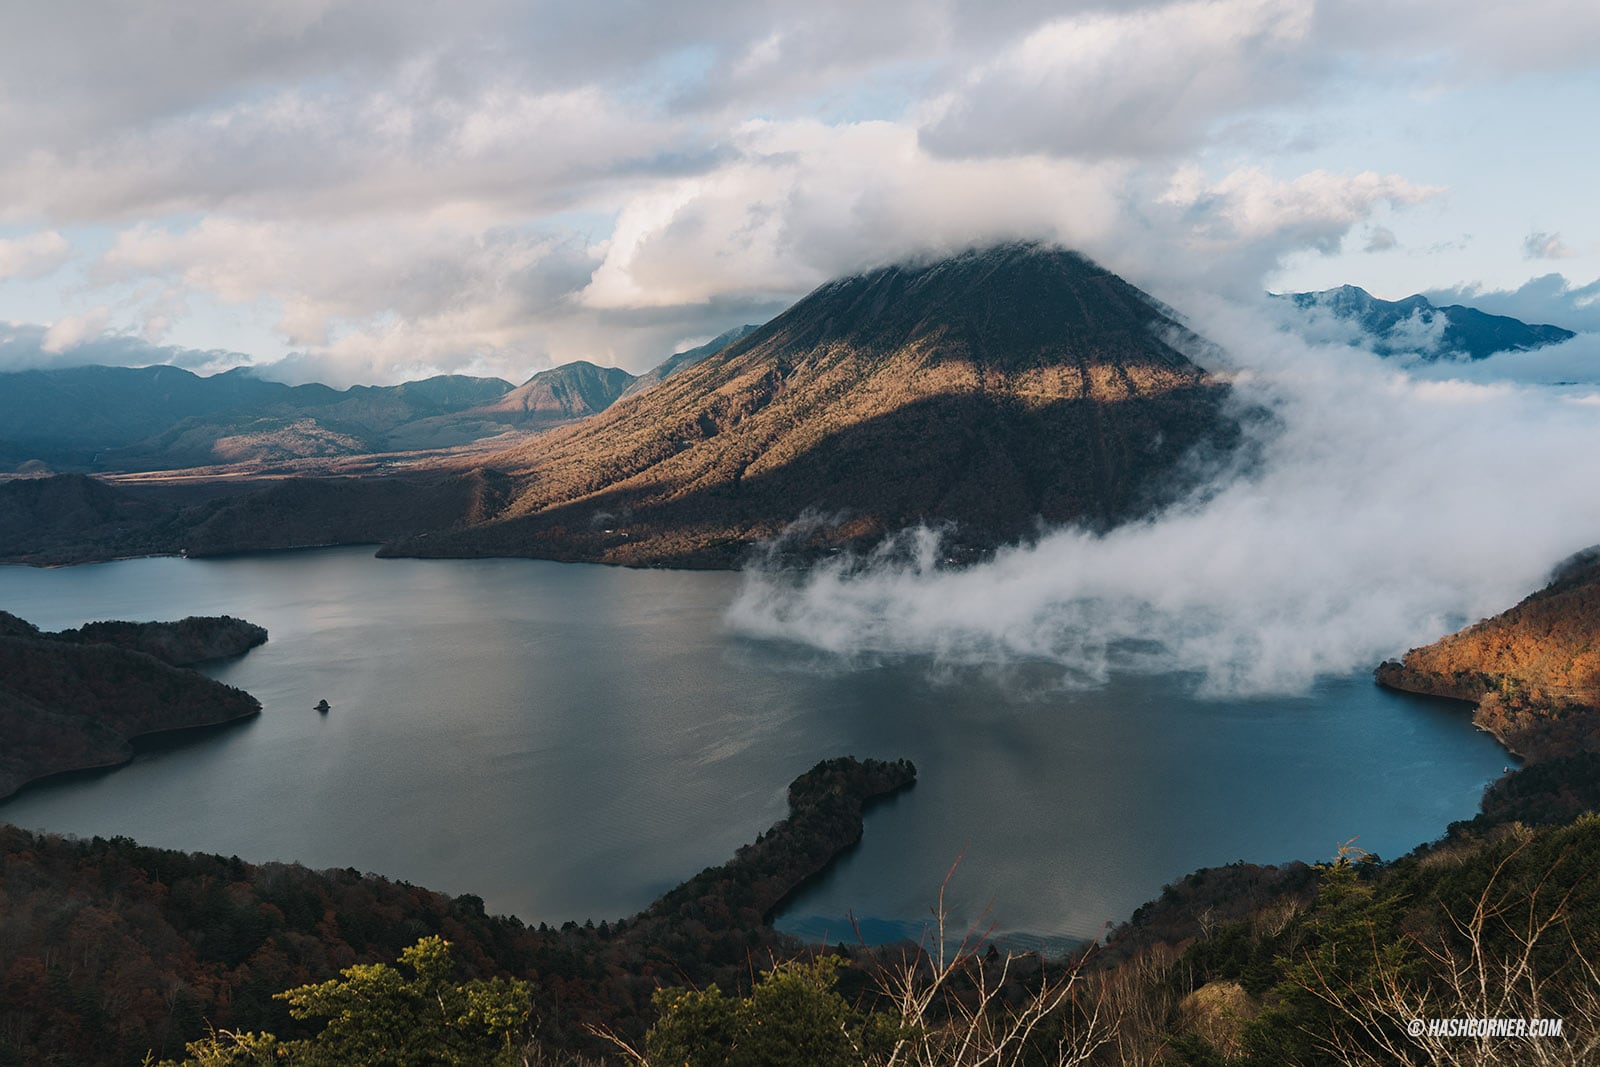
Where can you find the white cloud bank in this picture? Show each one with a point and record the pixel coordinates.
(1550, 299)
(1389, 510)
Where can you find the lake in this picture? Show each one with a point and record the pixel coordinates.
(569, 741)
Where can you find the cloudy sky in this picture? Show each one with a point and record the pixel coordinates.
(370, 191)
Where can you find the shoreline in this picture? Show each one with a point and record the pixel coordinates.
(1472, 703)
(134, 742)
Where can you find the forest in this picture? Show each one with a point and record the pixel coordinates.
(114, 952)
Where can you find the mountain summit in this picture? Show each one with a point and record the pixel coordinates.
(991, 390)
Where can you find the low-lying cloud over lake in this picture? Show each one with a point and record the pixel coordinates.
(1389, 509)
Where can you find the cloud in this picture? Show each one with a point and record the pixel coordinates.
(801, 202)
(1463, 43)
(1128, 83)
(499, 185)
(80, 341)
(1389, 510)
(1421, 333)
(301, 154)
(369, 300)
(1540, 245)
(33, 256)
(1548, 299)
(1314, 210)
(73, 330)
(1380, 239)
(401, 298)
(1574, 363)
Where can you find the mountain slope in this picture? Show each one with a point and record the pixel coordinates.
(571, 391)
(162, 418)
(1534, 669)
(550, 398)
(992, 390)
(73, 518)
(85, 409)
(1415, 326)
(313, 420)
(687, 358)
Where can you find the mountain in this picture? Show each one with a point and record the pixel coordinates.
(987, 394)
(572, 391)
(313, 420)
(165, 418)
(550, 398)
(52, 413)
(1533, 670)
(162, 418)
(1415, 326)
(687, 358)
(993, 390)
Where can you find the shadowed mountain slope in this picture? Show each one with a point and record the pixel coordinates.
(92, 408)
(991, 390)
(73, 518)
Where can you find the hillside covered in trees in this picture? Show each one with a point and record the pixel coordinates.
(77, 699)
(114, 950)
(1533, 670)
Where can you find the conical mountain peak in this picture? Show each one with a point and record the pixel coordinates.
(992, 390)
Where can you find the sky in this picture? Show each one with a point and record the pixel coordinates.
(370, 191)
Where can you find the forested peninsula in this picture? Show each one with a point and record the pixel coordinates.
(75, 700)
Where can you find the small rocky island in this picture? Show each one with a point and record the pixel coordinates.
(76, 699)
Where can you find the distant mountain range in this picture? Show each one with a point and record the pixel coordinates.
(1418, 328)
(166, 418)
(118, 419)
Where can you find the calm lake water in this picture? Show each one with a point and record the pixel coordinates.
(570, 741)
